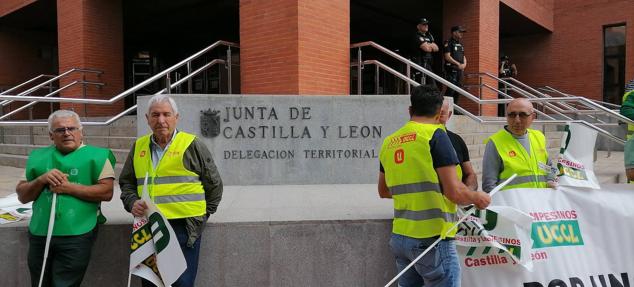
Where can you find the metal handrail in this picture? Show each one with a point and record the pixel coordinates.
(41, 85)
(127, 92)
(589, 103)
(164, 73)
(26, 82)
(551, 89)
(546, 100)
(46, 96)
(594, 127)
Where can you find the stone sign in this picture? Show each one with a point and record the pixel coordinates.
(290, 139)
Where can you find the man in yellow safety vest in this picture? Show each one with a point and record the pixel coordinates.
(517, 149)
(418, 171)
(183, 180)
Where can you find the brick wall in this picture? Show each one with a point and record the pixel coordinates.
(481, 19)
(539, 11)
(294, 47)
(22, 54)
(571, 59)
(324, 47)
(8, 6)
(90, 35)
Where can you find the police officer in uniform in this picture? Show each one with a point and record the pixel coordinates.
(425, 46)
(455, 61)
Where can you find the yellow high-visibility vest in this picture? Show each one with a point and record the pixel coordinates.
(530, 168)
(630, 127)
(176, 191)
(420, 208)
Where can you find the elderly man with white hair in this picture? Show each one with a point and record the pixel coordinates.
(183, 180)
(82, 176)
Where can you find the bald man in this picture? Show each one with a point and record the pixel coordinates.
(517, 149)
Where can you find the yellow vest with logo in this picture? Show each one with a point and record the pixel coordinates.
(176, 191)
(517, 160)
(630, 127)
(420, 208)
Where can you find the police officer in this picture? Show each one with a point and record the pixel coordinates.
(507, 69)
(425, 46)
(455, 61)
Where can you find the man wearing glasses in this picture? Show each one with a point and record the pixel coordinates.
(517, 149)
(82, 176)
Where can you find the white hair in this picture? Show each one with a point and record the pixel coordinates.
(62, 114)
(448, 101)
(156, 99)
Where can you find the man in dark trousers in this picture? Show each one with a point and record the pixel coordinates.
(425, 46)
(455, 61)
(469, 177)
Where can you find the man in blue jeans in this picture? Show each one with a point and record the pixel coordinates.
(418, 170)
(185, 184)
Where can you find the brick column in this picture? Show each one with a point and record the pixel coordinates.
(295, 47)
(90, 35)
(482, 21)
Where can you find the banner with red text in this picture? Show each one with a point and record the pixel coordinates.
(581, 237)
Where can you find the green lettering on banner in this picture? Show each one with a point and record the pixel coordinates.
(159, 232)
(556, 233)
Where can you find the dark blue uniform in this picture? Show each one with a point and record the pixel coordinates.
(452, 73)
(422, 58)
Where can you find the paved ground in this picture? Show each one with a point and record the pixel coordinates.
(9, 177)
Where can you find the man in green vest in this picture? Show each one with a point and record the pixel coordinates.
(183, 180)
(627, 110)
(418, 171)
(82, 177)
(517, 149)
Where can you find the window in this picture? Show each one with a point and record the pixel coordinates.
(613, 63)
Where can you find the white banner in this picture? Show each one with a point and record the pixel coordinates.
(156, 254)
(575, 161)
(581, 238)
(498, 234)
(12, 210)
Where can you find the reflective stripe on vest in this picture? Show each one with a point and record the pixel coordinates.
(176, 191)
(517, 160)
(420, 208)
(630, 127)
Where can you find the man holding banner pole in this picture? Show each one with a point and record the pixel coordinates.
(69, 180)
(183, 183)
(418, 170)
(517, 149)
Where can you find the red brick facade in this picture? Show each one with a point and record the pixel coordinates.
(571, 58)
(481, 19)
(90, 35)
(295, 47)
(301, 47)
(8, 6)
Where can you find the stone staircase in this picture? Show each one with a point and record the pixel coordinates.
(16, 143)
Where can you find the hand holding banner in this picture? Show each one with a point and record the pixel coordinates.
(156, 254)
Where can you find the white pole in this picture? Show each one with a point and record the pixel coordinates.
(463, 218)
(49, 234)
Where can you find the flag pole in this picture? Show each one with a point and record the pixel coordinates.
(463, 218)
(49, 234)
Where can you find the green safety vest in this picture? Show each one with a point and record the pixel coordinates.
(73, 216)
(176, 191)
(630, 127)
(420, 208)
(515, 159)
